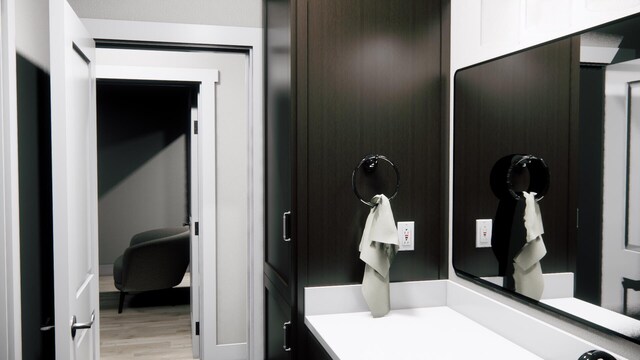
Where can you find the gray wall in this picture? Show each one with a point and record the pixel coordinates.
(209, 12)
(142, 168)
(32, 31)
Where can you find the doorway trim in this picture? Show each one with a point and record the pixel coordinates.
(10, 306)
(220, 37)
(206, 80)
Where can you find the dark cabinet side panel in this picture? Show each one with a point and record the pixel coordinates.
(277, 314)
(278, 252)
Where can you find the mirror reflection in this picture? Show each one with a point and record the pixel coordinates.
(546, 198)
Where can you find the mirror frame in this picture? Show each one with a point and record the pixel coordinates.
(538, 305)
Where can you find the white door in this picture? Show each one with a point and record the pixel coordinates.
(621, 192)
(75, 197)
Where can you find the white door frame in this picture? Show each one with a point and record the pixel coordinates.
(206, 165)
(10, 306)
(250, 39)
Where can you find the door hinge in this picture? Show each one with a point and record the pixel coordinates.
(196, 228)
(195, 127)
(198, 328)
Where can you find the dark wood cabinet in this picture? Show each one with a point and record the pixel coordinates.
(345, 79)
(278, 316)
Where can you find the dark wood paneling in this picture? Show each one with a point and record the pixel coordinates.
(445, 91)
(316, 351)
(517, 104)
(373, 86)
(277, 313)
(279, 139)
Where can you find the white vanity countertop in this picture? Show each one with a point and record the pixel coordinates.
(437, 319)
(422, 333)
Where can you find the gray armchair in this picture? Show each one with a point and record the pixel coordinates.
(155, 259)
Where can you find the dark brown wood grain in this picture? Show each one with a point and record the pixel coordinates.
(372, 87)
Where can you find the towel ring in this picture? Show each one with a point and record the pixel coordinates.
(503, 170)
(370, 163)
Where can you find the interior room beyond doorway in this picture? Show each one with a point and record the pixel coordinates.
(144, 184)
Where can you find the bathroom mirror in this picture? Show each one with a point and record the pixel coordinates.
(575, 103)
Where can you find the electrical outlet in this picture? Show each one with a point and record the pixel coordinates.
(483, 233)
(406, 235)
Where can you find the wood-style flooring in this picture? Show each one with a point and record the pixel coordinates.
(153, 326)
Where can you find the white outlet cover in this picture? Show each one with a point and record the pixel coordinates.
(406, 235)
(483, 233)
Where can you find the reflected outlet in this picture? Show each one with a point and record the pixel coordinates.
(406, 235)
(483, 233)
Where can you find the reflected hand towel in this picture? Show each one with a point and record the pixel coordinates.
(527, 272)
(378, 246)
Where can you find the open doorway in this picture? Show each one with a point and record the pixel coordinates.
(145, 207)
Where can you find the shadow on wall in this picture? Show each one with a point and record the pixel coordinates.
(143, 180)
(135, 123)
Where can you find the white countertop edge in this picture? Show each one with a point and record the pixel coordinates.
(340, 299)
(521, 329)
(537, 336)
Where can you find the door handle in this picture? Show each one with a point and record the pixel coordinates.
(285, 327)
(286, 226)
(75, 326)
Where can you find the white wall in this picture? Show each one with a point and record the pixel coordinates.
(481, 30)
(32, 31)
(207, 12)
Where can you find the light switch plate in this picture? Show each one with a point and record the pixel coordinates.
(483, 233)
(406, 235)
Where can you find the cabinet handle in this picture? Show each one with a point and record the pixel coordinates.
(286, 226)
(285, 328)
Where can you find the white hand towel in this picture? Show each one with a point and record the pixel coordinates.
(378, 246)
(527, 272)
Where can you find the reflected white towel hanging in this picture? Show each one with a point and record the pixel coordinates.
(527, 272)
(378, 246)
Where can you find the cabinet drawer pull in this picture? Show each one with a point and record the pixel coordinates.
(286, 226)
(285, 328)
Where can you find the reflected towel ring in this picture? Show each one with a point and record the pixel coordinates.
(503, 170)
(370, 163)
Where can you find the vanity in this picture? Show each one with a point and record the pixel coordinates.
(432, 320)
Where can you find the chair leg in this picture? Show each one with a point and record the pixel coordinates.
(121, 304)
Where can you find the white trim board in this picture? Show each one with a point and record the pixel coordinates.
(238, 37)
(10, 305)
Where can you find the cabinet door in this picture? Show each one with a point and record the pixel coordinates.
(278, 321)
(278, 249)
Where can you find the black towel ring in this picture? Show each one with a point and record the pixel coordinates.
(370, 163)
(501, 178)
